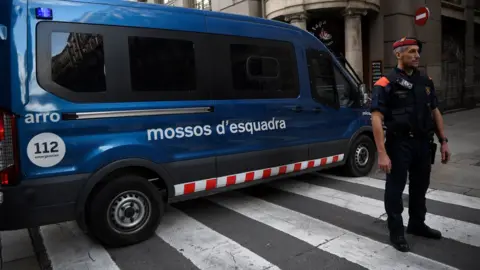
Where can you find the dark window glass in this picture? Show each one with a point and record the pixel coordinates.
(322, 79)
(263, 69)
(158, 64)
(78, 62)
(344, 89)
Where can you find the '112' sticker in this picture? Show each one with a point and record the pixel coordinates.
(46, 150)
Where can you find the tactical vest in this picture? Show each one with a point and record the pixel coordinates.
(409, 106)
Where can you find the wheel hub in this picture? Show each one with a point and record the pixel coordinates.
(362, 156)
(129, 212)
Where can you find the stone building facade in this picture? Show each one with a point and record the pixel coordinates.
(363, 31)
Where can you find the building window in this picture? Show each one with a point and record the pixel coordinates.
(151, 1)
(78, 62)
(264, 69)
(203, 4)
(158, 64)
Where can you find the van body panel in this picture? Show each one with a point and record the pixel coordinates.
(5, 52)
(199, 139)
(95, 143)
(14, 49)
(331, 124)
(282, 142)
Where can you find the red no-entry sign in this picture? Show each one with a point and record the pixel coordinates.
(421, 16)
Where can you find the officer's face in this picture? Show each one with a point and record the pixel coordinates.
(410, 57)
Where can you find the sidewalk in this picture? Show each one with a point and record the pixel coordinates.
(462, 173)
(17, 251)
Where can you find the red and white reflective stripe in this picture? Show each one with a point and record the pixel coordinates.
(234, 179)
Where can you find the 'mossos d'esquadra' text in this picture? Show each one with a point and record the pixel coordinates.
(223, 128)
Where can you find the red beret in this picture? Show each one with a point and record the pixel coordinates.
(408, 41)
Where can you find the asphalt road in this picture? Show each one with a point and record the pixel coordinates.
(309, 222)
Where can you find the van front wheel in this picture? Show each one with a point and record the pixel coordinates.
(126, 211)
(361, 157)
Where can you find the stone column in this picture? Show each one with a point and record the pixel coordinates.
(298, 19)
(353, 39)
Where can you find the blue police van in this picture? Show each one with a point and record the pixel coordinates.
(110, 110)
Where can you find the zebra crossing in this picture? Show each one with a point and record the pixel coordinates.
(308, 222)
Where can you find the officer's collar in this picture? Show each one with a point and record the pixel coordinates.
(401, 71)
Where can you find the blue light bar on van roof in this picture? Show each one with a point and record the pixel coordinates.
(44, 13)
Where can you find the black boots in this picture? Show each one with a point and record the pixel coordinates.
(399, 242)
(424, 230)
(397, 237)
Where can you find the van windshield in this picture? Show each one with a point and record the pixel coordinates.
(351, 72)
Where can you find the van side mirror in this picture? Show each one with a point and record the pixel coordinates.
(363, 94)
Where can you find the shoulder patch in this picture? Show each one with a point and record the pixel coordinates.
(383, 81)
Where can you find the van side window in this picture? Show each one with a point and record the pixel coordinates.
(344, 88)
(264, 71)
(78, 62)
(158, 64)
(322, 78)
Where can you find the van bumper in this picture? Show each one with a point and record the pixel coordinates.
(38, 202)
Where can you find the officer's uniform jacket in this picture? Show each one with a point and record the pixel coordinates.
(406, 102)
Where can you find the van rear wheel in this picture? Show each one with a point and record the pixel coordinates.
(125, 211)
(361, 157)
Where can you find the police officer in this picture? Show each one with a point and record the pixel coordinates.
(406, 102)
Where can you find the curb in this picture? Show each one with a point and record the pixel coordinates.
(460, 109)
(39, 249)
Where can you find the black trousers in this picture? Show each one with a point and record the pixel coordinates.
(408, 155)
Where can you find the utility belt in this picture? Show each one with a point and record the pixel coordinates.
(392, 135)
(389, 133)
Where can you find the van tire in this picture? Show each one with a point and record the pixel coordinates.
(361, 157)
(126, 196)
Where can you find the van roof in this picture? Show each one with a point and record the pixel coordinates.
(163, 7)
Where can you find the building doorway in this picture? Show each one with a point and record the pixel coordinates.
(329, 27)
(476, 65)
(453, 63)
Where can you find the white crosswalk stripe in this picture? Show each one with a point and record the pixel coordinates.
(339, 242)
(201, 244)
(455, 229)
(205, 247)
(432, 194)
(69, 249)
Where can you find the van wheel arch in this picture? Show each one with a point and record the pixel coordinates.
(140, 167)
(124, 210)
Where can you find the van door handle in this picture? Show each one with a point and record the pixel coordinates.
(317, 110)
(297, 109)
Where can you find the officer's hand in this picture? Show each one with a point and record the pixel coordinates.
(384, 162)
(445, 153)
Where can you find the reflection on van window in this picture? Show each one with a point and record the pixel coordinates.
(262, 67)
(265, 69)
(344, 89)
(158, 64)
(323, 80)
(78, 62)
